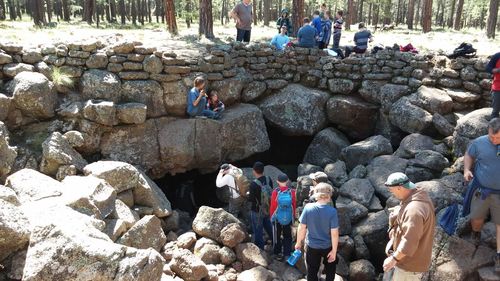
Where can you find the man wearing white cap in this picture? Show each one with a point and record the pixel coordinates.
(321, 177)
(412, 232)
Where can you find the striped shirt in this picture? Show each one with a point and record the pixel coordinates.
(361, 39)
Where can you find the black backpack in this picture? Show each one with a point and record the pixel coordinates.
(463, 50)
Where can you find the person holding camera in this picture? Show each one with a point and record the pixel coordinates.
(481, 169)
(226, 178)
(197, 101)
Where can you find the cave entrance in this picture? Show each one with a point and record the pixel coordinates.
(188, 191)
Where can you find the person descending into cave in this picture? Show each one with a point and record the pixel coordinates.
(197, 101)
(260, 197)
(282, 214)
(214, 103)
(232, 178)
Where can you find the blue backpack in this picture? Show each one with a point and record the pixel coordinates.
(284, 213)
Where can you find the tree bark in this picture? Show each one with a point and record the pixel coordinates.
(376, 14)
(133, 12)
(267, 12)
(158, 13)
(66, 10)
(88, 11)
(350, 16)
(188, 13)
(452, 13)
(410, 14)
(121, 10)
(206, 27)
(492, 19)
(170, 17)
(417, 13)
(370, 11)
(2, 10)
(398, 11)
(49, 9)
(458, 17)
(297, 15)
(427, 16)
(38, 12)
(223, 12)
(387, 12)
(12, 9)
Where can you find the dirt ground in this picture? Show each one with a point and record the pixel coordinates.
(441, 40)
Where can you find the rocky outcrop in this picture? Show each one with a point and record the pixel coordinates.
(8, 153)
(326, 147)
(296, 110)
(58, 152)
(364, 151)
(210, 222)
(14, 229)
(469, 127)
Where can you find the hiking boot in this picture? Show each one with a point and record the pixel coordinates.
(497, 264)
(475, 238)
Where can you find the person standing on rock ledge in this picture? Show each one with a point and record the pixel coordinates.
(493, 67)
(243, 15)
(482, 170)
(412, 231)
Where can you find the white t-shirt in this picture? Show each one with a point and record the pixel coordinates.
(223, 180)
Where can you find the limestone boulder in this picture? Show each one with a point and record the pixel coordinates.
(188, 266)
(124, 213)
(115, 228)
(353, 116)
(98, 192)
(34, 95)
(100, 84)
(370, 90)
(442, 125)
(340, 86)
(469, 127)
(147, 92)
(8, 153)
(209, 222)
(227, 255)
(390, 93)
(326, 147)
(380, 168)
(121, 176)
(5, 102)
(56, 152)
(409, 117)
(250, 256)
(361, 153)
(12, 69)
(186, 240)
(146, 233)
(14, 226)
(296, 110)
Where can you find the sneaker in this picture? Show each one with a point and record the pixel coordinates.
(497, 264)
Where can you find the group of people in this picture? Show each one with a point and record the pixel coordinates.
(203, 103)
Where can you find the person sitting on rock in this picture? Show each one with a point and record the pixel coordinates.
(361, 39)
(197, 101)
(280, 40)
(282, 214)
(214, 103)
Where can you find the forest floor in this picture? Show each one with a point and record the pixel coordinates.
(439, 40)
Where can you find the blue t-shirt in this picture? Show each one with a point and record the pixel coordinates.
(279, 40)
(487, 163)
(361, 39)
(316, 22)
(307, 36)
(191, 97)
(320, 220)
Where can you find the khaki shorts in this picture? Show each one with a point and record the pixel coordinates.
(402, 275)
(479, 209)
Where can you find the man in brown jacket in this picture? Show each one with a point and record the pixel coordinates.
(412, 232)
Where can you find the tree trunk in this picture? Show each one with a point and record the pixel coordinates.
(417, 13)
(376, 14)
(12, 9)
(143, 11)
(96, 9)
(458, 17)
(2, 10)
(133, 12)
(121, 10)
(223, 12)
(370, 11)
(66, 10)
(206, 21)
(170, 17)
(112, 10)
(158, 13)
(387, 12)
(360, 10)
(492, 19)
(49, 9)
(410, 14)
(38, 12)
(452, 13)
(88, 11)
(297, 15)
(398, 11)
(427, 16)
(188, 13)
(267, 11)
(350, 14)
(260, 16)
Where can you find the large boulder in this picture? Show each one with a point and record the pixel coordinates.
(362, 270)
(373, 229)
(69, 240)
(457, 259)
(258, 273)
(412, 144)
(441, 195)
(326, 147)
(354, 116)
(360, 190)
(100, 111)
(337, 173)
(361, 153)
(229, 89)
(390, 93)
(8, 153)
(209, 222)
(14, 226)
(296, 110)
(57, 152)
(121, 176)
(147, 193)
(188, 266)
(250, 256)
(34, 95)
(146, 233)
(433, 100)
(370, 90)
(208, 251)
(100, 84)
(380, 168)
(147, 92)
(469, 127)
(232, 235)
(409, 117)
(30, 185)
(430, 160)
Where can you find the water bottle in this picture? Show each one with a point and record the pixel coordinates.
(292, 260)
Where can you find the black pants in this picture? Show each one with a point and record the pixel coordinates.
(284, 244)
(243, 35)
(313, 262)
(350, 49)
(495, 104)
(322, 45)
(336, 40)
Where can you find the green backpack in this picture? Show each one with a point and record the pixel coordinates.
(265, 196)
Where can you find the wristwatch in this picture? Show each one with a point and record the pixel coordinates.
(394, 257)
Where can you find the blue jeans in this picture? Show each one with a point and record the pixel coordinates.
(210, 114)
(260, 223)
